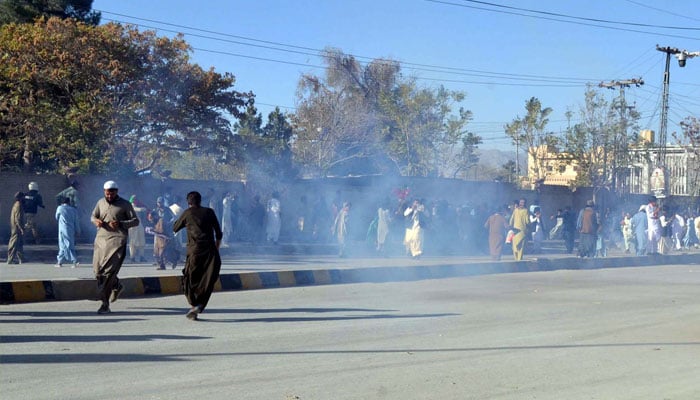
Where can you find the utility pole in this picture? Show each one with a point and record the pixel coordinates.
(622, 134)
(660, 173)
(663, 129)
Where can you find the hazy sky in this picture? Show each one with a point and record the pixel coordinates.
(500, 53)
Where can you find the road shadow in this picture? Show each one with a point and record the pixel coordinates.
(203, 318)
(188, 357)
(93, 338)
(265, 310)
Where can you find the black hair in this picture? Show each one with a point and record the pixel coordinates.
(194, 198)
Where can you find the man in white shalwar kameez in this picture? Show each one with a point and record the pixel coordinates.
(383, 220)
(340, 228)
(273, 222)
(414, 230)
(654, 228)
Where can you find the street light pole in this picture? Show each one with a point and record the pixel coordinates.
(682, 56)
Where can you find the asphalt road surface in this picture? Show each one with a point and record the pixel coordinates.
(624, 333)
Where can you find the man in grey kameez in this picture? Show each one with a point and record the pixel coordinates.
(15, 249)
(113, 216)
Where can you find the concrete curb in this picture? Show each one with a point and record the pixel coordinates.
(84, 289)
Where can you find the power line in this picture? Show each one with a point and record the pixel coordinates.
(320, 52)
(583, 18)
(662, 10)
(302, 50)
(486, 74)
(563, 20)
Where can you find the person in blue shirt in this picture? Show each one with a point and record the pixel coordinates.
(68, 228)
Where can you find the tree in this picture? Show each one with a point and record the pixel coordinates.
(336, 123)
(690, 137)
(529, 133)
(422, 136)
(370, 119)
(277, 136)
(599, 144)
(466, 143)
(108, 97)
(53, 106)
(507, 172)
(265, 150)
(171, 105)
(27, 11)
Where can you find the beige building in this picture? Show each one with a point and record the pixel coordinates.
(640, 176)
(546, 162)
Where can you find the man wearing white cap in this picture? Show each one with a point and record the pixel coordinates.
(113, 216)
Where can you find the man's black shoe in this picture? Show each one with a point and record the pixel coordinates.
(115, 293)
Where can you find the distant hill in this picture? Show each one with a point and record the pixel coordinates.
(491, 163)
(494, 158)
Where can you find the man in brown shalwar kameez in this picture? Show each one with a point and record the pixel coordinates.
(15, 249)
(113, 216)
(497, 227)
(203, 261)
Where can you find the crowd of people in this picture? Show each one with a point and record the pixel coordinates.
(399, 225)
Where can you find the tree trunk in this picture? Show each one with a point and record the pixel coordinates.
(27, 160)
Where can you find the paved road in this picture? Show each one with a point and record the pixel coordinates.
(623, 333)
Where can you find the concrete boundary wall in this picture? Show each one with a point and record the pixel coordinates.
(85, 289)
(365, 192)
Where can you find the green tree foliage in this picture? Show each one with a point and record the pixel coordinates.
(53, 105)
(265, 150)
(27, 11)
(171, 105)
(336, 119)
(529, 134)
(599, 143)
(690, 137)
(188, 165)
(361, 119)
(107, 98)
(422, 136)
(507, 173)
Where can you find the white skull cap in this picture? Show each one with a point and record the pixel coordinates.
(110, 185)
(33, 186)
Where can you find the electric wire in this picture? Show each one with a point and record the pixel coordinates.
(316, 52)
(564, 21)
(582, 18)
(662, 10)
(277, 46)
